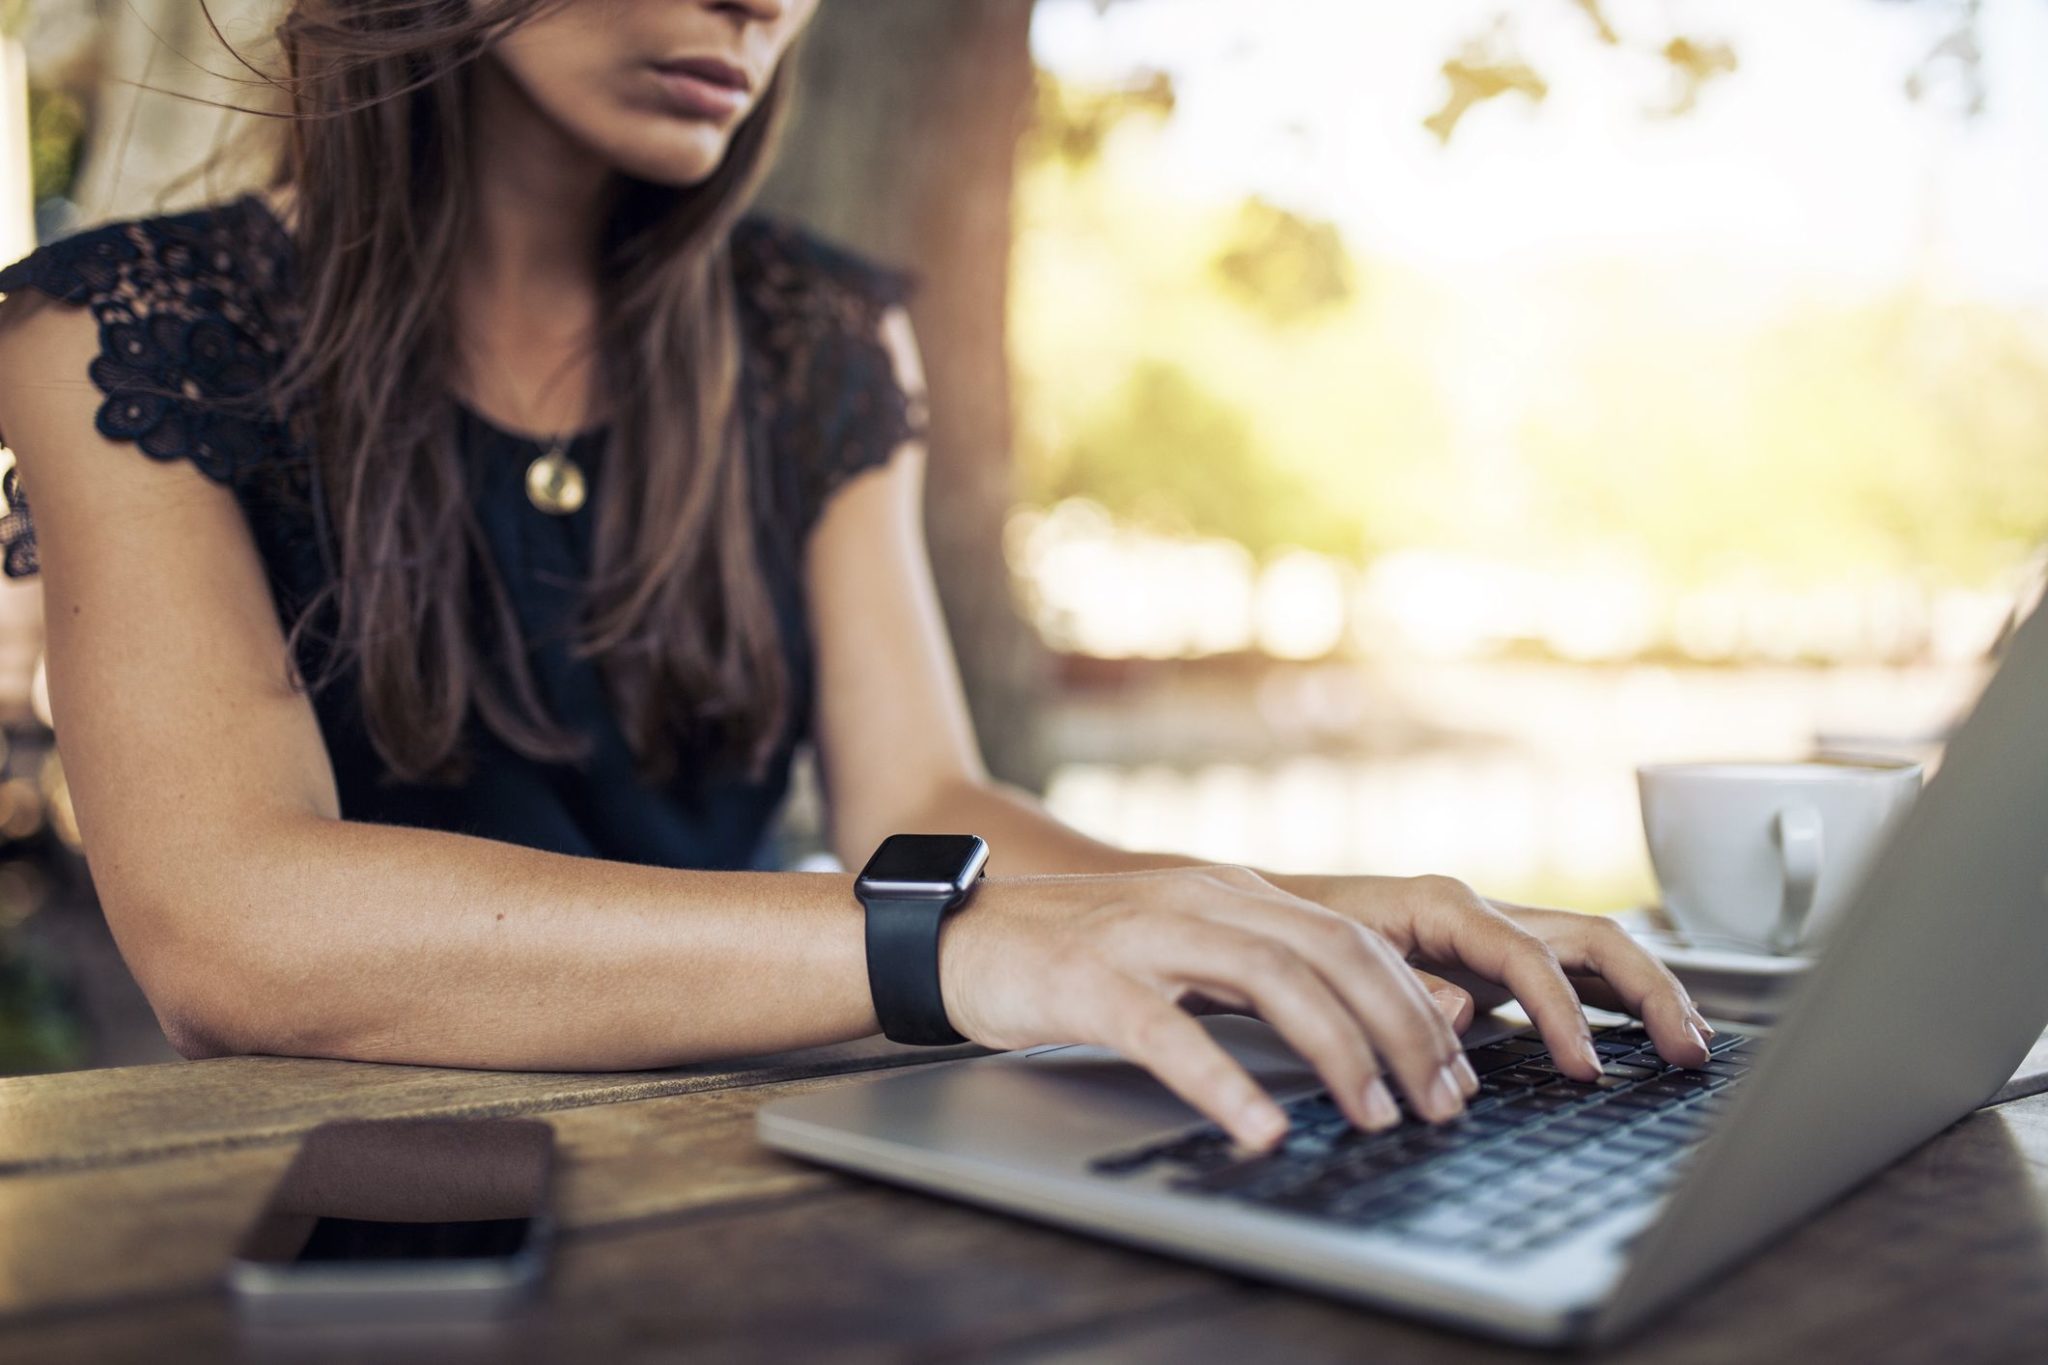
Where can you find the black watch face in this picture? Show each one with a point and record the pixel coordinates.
(928, 864)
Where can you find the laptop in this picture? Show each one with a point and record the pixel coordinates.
(1555, 1211)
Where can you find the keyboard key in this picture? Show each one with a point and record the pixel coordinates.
(1523, 1046)
(1258, 1178)
(1204, 1152)
(1487, 1060)
(1677, 1130)
(1480, 1167)
(1598, 1121)
(1638, 1100)
(1579, 1090)
(1639, 1140)
(1307, 1142)
(1600, 1156)
(1526, 1076)
(1445, 1224)
(1532, 1106)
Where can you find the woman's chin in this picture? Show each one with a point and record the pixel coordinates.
(685, 153)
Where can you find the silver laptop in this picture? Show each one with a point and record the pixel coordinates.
(1554, 1211)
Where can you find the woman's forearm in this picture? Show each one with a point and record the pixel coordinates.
(337, 938)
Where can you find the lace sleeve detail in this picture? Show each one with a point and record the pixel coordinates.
(833, 404)
(187, 342)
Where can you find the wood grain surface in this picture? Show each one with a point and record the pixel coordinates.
(683, 1239)
(96, 1118)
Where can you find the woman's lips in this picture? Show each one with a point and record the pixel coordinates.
(699, 87)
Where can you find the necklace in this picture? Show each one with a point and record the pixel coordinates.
(554, 482)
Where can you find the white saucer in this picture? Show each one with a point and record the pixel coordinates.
(1725, 981)
(1681, 954)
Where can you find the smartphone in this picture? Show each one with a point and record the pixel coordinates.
(402, 1219)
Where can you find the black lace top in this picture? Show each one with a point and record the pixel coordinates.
(196, 310)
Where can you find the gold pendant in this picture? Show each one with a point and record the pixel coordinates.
(554, 483)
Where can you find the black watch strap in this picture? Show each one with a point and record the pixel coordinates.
(903, 969)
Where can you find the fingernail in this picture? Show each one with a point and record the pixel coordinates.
(1588, 1055)
(1699, 1022)
(1380, 1110)
(1265, 1124)
(1698, 1040)
(1467, 1076)
(1447, 1003)
(1445, 1100)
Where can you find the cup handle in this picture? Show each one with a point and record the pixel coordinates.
(1799, 849)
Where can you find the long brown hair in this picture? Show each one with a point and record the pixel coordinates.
(676, 612)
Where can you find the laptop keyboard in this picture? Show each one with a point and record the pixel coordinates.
(1536, 1156)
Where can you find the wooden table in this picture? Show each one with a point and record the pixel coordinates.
(122, 1191)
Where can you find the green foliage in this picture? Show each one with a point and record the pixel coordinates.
(1899, 437)
(38, 1032)
(1486, 68)
(1071, 123)
(56, 134)
(1167, 454)
(1694, 63)
(1282, 266)
(1212, 368)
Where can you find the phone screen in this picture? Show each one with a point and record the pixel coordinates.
(371, 1239)
(406, 1207)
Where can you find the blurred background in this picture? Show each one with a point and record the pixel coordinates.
(1363, 431)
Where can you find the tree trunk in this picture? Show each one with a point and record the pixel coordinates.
(904, 148)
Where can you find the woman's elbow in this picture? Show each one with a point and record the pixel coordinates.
(212, 995)
(191, 1034)
(206, 1011)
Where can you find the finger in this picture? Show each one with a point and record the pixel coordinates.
(1299, 1002)
(1454, 924)
(1452, 1001)
(1536, 918)
(1595, 991)
(1383, 994)
(1486, 995)
(1644, 986)
(1157, 1035)
(1411, 1032)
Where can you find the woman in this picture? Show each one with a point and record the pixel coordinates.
(516, 508)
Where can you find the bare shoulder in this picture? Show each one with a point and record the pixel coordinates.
(43, 342)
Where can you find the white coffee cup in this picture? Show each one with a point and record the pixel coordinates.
(1767, 854)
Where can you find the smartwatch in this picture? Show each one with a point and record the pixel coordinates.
(908, 887)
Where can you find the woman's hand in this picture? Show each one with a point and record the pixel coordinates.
(1121, 959)
(1549, 960)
